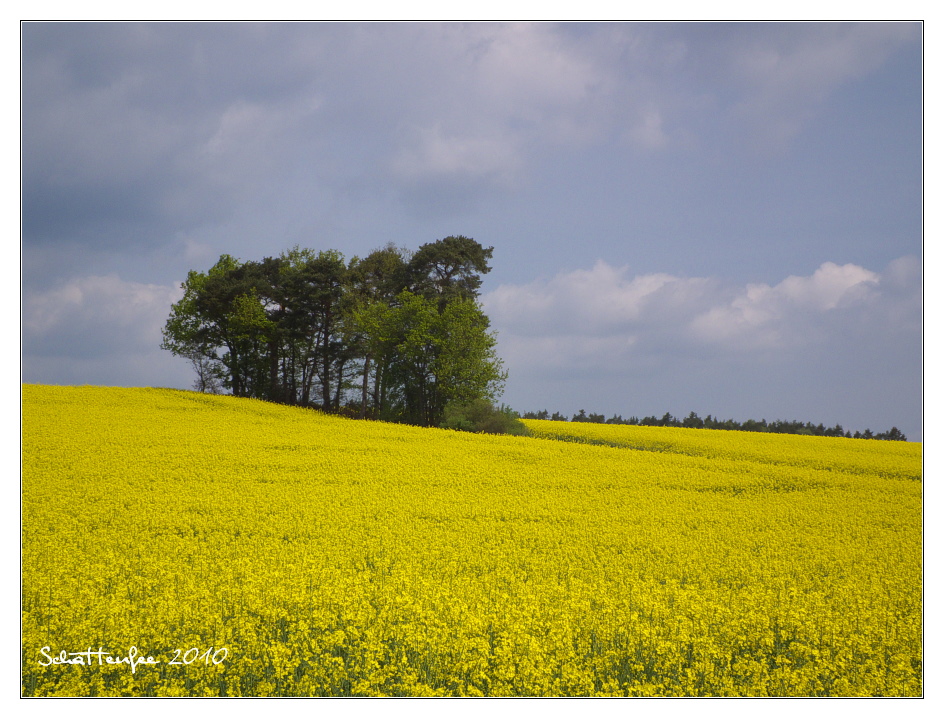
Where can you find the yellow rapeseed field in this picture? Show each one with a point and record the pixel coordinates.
(175, 543)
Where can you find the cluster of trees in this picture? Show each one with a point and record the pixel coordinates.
(709, 422)
(396, 335)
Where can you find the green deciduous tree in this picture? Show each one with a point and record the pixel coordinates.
(431, 357)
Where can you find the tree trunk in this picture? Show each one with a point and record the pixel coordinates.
(364, 387)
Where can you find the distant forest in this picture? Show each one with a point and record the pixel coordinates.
(694, 421)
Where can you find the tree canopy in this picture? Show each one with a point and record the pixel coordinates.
(395, 335)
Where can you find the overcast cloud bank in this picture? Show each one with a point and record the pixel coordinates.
(726, 163)
(155, 138)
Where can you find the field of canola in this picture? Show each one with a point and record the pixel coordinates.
(253, 549)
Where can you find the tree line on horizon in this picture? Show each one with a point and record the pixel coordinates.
(397, 335)
(709, 422)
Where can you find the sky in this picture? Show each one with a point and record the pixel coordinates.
(723, 218)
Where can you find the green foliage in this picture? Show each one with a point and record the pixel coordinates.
(432, 357)
(482, 416)
(311, 329)
(448, 269)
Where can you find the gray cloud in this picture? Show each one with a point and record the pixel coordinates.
(168, 125)
(148, 129)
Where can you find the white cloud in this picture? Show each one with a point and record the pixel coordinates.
(95, 316)
(599, 301)
(660, 313)
(790, 312)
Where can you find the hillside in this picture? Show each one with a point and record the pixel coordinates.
(341, 557)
